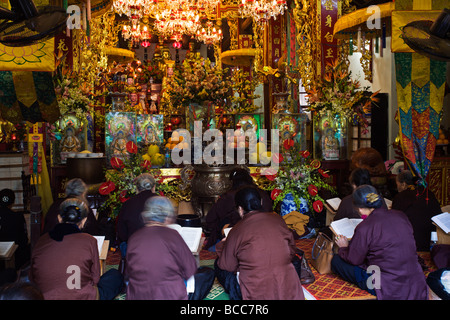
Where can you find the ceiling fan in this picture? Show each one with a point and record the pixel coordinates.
(25, 24)
(432, 39)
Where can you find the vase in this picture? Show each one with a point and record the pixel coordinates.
(288, 205)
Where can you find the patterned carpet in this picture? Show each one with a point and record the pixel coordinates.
(326, 286)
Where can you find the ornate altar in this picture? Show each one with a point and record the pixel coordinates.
(439, 179)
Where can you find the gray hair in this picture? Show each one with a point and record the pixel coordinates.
(158, 208)
(145, 181)
(75, 187)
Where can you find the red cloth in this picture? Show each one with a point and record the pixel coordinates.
(51, 261)
(261, 248)
(385, 239)
(158, 262)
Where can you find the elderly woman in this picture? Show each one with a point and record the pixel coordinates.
(65, 262)
(129, 219)
(159, 263)
(419, 205)
(383, 242)
(75, 188)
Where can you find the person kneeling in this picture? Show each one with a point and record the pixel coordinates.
(254, 261)
(159, 264)
(384, 242)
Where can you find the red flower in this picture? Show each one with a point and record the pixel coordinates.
(305, 153)
(117, 163)
(146, 164)
(288, 143)
(123, 196)
(275, 193)
(312, 190)
(318, 206)
(315, 164)
(324, 173)
(106, 188)
(271, 177)
(131, 147)
(161, 194)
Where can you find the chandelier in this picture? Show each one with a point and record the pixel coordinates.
(209, 35)
(172, 17)
(262, 10)
(136, 35)
(136, 8)
(172, 22)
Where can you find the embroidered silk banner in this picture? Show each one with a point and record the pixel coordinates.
(37, 57)
(28, 96)
(328, 17)
(420, 93)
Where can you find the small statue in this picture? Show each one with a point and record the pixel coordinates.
(330, 145)
(70, 143)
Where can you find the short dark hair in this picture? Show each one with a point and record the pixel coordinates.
(7, 197)
(367, 196)
(360, 176)
(249, 199)
(20, 291)
(407, 177)
(241, 177)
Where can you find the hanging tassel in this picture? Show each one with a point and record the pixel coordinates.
(350, 51)
(377, 45)
(84, 17)
(384, 36)
(88, 10)
(358, 41)
(364, 43)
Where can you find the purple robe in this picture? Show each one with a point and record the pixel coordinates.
(158, 263)
(385, 239)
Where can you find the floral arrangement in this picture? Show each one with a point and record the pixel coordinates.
(300, 176)
(151, 69)
(337, 93)
(196, 81)
(245, 87)
(120, 180)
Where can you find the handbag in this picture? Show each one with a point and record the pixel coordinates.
(322, 253)
(302, 267)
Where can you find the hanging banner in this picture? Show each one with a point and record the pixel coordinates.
(37, 57)
(328, 16)
(276, 51)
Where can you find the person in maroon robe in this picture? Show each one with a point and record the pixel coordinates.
(65, 262)
(383, 243)
(419, 205)
(129, 219)
(255, 260)
(159, 262)
(358, 177)
(224, 213)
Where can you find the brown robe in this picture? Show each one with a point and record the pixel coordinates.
(50, 264)
(260, 247)
(158, 263)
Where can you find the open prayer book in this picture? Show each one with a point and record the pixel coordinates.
(333, 203)
(345, 227)
(192, 236)
(100, 240)
(442, 221)
(5, 247)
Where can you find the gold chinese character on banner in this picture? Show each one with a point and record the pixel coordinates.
(328, 21)
(329, 53)
(329, 37)
(328, 5)
(277, 52)
(276, 41)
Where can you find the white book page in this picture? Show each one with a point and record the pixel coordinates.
(388, 203)
(191, 236)
(226, 231)
(443, 221)
(334, 203)
(345, 227)
(100, 240)
(5, 246)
